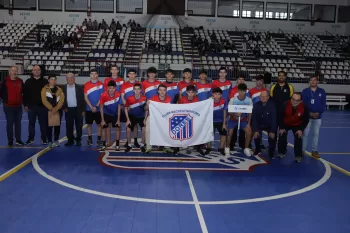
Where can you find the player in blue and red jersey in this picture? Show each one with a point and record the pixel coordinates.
(93, 90)
(190, 97)
(172, 89)
(110, 102)
(126, 91)
(187, 80)
(135, 114)
(203, 87)
(234, 90)
(114, 76)
(150, 86)
(224, 84)
(256, 91)
(219, 120)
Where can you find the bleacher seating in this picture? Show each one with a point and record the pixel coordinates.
(172, 35)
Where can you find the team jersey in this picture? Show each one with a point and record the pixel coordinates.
(224, 86)
(236, 101)
(255, 94)
(127, 89)
(171, 90)
(219, 108)
(136, 106)
(234, 92)
(150, 89)
(94, 92)
(182, 87)
(203, 91)
(185, 100)
(119, 81)
(156, 99)
(110, 103)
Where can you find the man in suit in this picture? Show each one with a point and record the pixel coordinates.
(74, 108)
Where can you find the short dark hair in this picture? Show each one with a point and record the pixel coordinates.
(161, 85)
(242, 87)
(111, 83)
(190, 88)
(285, 74)
(52, 76)
(93, 70)
(313, 76)
(223, 68)
(131, 71)
(217, 90)
(151, 70)
(113, 65)
(298, 93)
(137, 85)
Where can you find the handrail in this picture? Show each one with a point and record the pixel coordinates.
(328, 33)
(280, 30)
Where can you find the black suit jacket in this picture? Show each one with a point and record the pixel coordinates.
(79, 92)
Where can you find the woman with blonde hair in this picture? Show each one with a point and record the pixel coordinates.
(53, 98)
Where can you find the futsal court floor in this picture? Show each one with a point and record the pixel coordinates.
(81, 190)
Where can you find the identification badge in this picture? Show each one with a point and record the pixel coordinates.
(312, 101)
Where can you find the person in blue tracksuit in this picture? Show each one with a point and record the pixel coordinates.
(264, 119)
(314, 98)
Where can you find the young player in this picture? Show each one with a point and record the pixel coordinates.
(149, 86)
(224, 84)
(241, 99)
(126, 91)
(162, 98)
(114, 76)
(219, 119)
(203, 87)
(93, 90)
(190, 97)
(110, 105)
(172, 89)
(119, 82)
(135, 114)
(256, 91)
(234, 90)
(187, 80)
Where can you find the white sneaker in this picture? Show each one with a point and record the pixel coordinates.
(247, 152)
(227, 151)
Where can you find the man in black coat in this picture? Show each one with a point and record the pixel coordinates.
(74, 108)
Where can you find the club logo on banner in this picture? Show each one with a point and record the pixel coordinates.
(180, 125)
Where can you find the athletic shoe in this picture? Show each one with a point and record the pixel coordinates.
(176, 151)
(117, 148)
(128, 148)
(207, 151)
(221, 151)
(136, 144)
(227, 151)
(247, 152)
(57, 143)
(29, 141)
(148, 150)
(69, 144)
(44, 142)
(262, 147)
(256, 153)
(272, 155)
(281, 155)
(200, 151)
(315, 154)
(10, 144)
(89, 142)
(20, 143)
(99, 143)
(78, 143)
(298, 159)
(50, 144)
(167, 150)
(143, 149)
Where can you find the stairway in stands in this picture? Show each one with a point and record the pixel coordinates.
(292, 52)
(29, 42)
(134, 47)
(76, 60)
(329, 41)
(191, 55)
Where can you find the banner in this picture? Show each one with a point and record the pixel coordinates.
(181, 125)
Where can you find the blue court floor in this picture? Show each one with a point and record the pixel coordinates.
(82, 190)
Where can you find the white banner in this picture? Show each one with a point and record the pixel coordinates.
(181, 125)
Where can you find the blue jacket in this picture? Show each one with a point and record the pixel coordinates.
(314, 100)
(264, 117)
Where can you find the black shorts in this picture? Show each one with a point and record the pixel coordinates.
(110, 120)
(218, 126)
(134, 121)
(90, 117)
(122, 116)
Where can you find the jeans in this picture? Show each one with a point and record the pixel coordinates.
(41, 113)
(13, 118)
(314, 125)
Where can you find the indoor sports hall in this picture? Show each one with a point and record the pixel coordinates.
(81, 189)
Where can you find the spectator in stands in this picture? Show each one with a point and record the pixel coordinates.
(314, 98)
(119, 26)
(294, 115)
(258, 37)
(11, 91)
(85, 23)
(268, 38)
(104, 34)
(244, 48)
(94, 25)
(89, 24)
(74, 108)
(129, 23)
(264, 119)
(33, 104)
(104, 25)
(117, 41)
(162, 44)
(113, 26)
(53, 98)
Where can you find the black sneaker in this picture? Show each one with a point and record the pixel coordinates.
(136, 144)
(262, 147)
(44, 142)
(20, 143)
(200, 151)
(143, 149)
(89, 143)
(10, 144)
(78, 143)
(99, 143)
(69, 144)
(207, 151)
(128, 149)
(29, 141)
(221, 151)
(256, 153)
(176, 151)
(298, 159)
(117, 148)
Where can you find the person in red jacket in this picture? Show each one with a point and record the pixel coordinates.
(11, 92)
(294, 116)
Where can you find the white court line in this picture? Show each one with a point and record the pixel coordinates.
(28, 120)
(196, 204)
